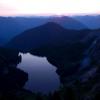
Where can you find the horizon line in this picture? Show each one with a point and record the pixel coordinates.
(48, 15)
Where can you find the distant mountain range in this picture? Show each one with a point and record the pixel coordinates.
(68, 22)
(51, 34)
(12, 26)
(92, 22)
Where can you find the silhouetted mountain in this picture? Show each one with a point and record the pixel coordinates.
(47, 34)
(92, 22)
(12, 26)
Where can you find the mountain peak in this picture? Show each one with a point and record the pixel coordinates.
(52, 25)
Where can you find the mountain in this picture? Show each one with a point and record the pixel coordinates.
(2, 41)
(12, 26)
(69, 23)
(92, 22)
(77, 66)
(48, 34)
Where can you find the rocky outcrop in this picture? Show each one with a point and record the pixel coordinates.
(12, 79)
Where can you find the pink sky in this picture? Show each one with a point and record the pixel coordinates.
(49, 7)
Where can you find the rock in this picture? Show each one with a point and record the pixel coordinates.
(12, 81)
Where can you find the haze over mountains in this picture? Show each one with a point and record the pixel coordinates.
(12, 26)
(92, 22)
(68, 22)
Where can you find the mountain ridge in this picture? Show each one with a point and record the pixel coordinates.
(50, 33)
(12, 26)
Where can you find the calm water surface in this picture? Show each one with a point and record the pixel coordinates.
(42, 75)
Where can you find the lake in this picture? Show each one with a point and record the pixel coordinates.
(42, 76)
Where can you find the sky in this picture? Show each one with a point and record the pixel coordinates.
(48, 7)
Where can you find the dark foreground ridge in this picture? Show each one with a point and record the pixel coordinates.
(78, 67)
(12, 79)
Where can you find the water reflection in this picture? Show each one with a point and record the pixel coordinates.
(42, 75)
